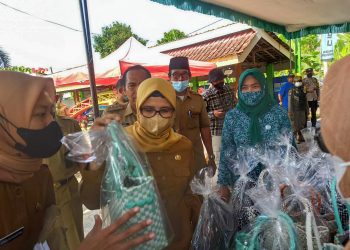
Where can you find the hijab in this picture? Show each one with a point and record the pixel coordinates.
(19, 94)
(254, 104)
(146, 141)
(335, 100)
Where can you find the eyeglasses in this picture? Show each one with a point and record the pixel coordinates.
(149, 112)
(177, 75)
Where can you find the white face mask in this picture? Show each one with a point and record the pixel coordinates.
(298, 84)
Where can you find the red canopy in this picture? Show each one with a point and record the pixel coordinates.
(132, 52)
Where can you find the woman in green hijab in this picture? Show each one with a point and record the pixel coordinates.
(257, 120)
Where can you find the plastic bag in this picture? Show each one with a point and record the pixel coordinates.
(216, 225)
(87, 147)
(272, 229)
(127, 181)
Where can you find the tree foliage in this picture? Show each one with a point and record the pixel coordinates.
(311, 50)
(171, 35)
(342, 46)
(112, 37)
(311, 53)
(4, 59)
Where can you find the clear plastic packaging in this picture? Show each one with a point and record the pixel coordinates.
(216, 224)
(87, 147)
(273, 229)
(127, 181)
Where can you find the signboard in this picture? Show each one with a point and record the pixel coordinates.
(327, 47)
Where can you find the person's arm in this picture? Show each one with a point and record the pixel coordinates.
(317, 90)
(204, 125)
(281, 94)
(210, 111)
(285, 126)
(290, 104)
(228, 149)
(206, 138)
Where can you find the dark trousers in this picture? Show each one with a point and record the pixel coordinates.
(313, 105)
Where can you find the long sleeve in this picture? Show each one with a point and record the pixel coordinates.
(285, 126)
(228, 152)
(291, 104)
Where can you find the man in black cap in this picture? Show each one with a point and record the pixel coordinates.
(312, 89)
(191, 114)
(219, 99)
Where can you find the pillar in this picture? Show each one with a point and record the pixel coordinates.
(270, 71)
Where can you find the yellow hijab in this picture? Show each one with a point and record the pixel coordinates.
(19, 94)
(145, 141)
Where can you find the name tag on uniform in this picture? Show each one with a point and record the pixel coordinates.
(10, 237)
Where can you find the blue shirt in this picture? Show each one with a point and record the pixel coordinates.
(284, 93)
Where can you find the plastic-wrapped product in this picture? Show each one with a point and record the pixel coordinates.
(127, 181)
(216, 225)
(271, 230)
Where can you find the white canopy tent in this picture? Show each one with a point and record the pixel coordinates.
(291, 18)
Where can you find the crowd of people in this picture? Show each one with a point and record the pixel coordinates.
(180, 131)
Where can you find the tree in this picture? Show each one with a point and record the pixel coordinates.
(112, 37)
(171, 35)
(310, 51)
(4, 59)
(342, 46)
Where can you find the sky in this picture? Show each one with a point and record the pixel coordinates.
(32, 42)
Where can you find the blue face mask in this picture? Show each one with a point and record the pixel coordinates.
(252, 98)
(180, 86)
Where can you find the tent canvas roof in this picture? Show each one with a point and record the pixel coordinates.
(291, 18)
(131, 52)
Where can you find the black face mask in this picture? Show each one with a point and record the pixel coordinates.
(219, 86)
(40, 143)
(309, 75)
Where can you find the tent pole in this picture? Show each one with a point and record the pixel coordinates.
(290, 55)
(88, 48)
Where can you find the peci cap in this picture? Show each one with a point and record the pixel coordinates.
(180, 62)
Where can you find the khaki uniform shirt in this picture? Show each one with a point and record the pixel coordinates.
(173, 170)
(60, 168)
(191, 116)
(66, 187)
(125, 110)
(312, 88)
(22, 210)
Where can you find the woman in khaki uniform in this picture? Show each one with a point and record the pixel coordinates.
(170, 156)
(28, 133)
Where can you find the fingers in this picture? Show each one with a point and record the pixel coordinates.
(97, 226)
(122, 220)
(101, 123)
(139, 240)
(132, 230)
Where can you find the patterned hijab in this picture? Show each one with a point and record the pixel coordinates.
(254, 104)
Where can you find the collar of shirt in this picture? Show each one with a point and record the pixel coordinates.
(186, 95)
(128, 110)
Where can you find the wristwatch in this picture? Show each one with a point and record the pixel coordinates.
(212, 157)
